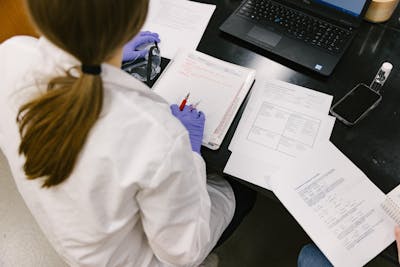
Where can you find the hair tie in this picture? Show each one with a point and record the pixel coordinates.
(91, 69)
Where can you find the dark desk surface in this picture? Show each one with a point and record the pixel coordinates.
(374, 144)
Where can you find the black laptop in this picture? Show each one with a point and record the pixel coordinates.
(312, 33)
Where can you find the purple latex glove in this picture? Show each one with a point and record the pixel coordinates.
(131, 51)
(193, 121)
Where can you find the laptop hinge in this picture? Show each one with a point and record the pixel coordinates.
(347, 23)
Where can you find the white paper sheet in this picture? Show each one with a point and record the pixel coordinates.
(257, 169)
(180, 24)
(218, 86)
(281, 121)
(337, 205)
(284, 94)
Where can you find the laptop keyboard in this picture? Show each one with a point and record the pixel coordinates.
(297, 24)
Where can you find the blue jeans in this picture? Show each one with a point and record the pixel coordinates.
(311, 256)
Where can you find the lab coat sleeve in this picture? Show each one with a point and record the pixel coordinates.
(176, 208)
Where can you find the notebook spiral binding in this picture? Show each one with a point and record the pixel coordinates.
(392, 209)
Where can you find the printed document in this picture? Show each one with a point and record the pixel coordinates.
(337, 205)
(180, 24)
(216, 87)
(281, 121)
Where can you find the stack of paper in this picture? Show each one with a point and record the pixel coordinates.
(281, 121)
(216, 87)
(180, 24)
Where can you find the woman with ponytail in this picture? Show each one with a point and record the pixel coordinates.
(112, 174)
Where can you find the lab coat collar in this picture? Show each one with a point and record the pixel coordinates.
(110, 74)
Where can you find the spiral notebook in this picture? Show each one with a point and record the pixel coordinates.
(391, 205)
(216, 87)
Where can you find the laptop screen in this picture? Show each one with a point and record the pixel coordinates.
(351, 7)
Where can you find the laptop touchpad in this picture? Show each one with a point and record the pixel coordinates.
(265, 36)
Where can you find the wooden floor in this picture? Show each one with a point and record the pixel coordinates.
(14, 20)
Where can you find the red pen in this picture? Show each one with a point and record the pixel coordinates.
(182, 106)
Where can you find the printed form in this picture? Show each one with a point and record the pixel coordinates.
(337, 205)
(217, 87)
(179, 23)
(281, 121)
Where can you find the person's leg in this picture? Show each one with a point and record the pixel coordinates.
(311, 256)
(245, 199)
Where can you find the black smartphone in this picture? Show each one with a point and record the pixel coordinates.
(356, 104)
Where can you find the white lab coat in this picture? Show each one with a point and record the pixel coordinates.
(138, 195)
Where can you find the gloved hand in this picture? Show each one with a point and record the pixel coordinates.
(131, 51)
(193, 121)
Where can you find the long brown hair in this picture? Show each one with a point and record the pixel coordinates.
(54, 126)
